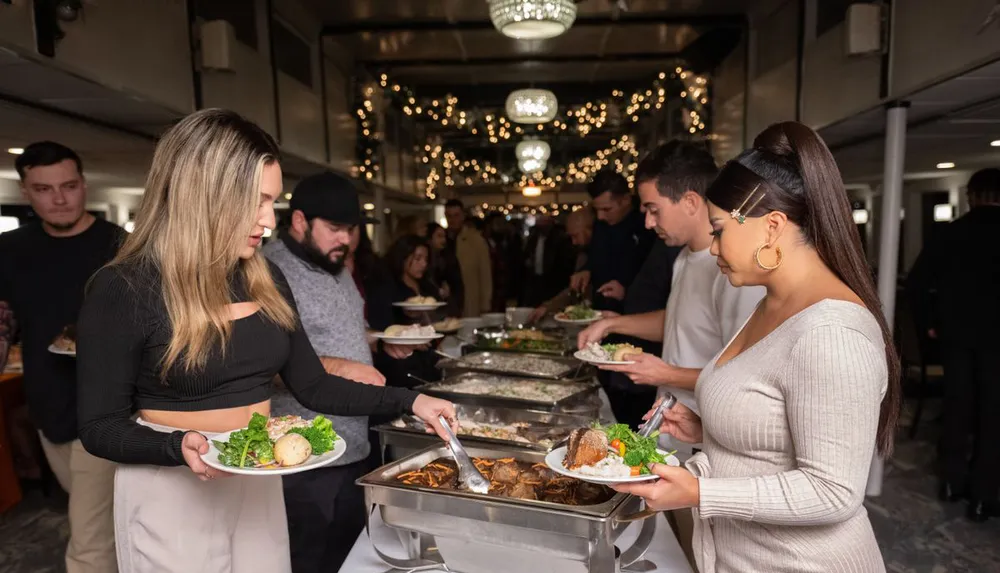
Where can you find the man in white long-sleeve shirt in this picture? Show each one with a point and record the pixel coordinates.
(703, 311)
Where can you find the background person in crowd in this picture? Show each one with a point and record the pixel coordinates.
(796, 405)
(473, 259)
(180, 337)
(548, 261)
(324, 507)
(580, 229)
(410, 225)
(362, 262)
(443, 270)
(704, 311)
(505, 260)
(43, 270)
(620, 243)
(406, 266)
(957, 280)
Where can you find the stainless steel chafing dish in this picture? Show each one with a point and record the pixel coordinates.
(475, 533)
(518, 364)
(543, 430)
(583, 399)
(551, 341)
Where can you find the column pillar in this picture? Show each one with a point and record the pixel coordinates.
(888, 254)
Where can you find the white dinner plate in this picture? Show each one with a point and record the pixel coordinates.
(54, 350)
(408, 340)
(212, 459)
(579, 356)
(561, 318)
(555, 462)
(421, 306)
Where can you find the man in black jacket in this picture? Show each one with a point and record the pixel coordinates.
(957, 280)
(620, 242)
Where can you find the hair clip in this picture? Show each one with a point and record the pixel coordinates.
(737, 213)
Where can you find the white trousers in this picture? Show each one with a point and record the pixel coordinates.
(169, 521)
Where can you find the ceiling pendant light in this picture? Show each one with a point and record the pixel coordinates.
(532, 106)
(533, 149)
(530, 166)
(531, 191)
(532, 19)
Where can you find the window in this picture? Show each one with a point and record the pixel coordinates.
(292, 54)
(243, 20)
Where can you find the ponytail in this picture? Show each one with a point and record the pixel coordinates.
(830, 228)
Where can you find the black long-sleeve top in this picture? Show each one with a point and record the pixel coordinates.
(616, 253)
(122, 335)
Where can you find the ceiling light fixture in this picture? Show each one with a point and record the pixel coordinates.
(369, 206)
(531, 191)
(945, 165)
(531, 165)
(533, 149)
(995, 143)
(532, 106)
(15, 150)
(532, 19)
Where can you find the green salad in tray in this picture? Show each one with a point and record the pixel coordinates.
(267, 443)
(636, 451)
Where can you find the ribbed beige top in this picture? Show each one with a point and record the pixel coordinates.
(789, 428)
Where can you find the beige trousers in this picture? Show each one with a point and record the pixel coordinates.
(89, 481)
(169, 521)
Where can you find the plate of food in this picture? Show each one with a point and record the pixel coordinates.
(578, 314)
(276, 446)
(408, 334)
(612, 454)
(65, 343)
(448, 325)
(420, 303)
(607, 354)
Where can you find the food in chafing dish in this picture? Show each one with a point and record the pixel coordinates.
(66, 341)
(267, 443)
(511, 478)
(520, 363)
(536, 390)
(449, 324)
(420, 300)
(578, 312)
(507, 432)
(607, 352)
(614, 451)
(409, 331)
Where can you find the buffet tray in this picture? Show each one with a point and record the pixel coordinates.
(490, 362)
(412, 436)
(585, 394)
(462, 529)
(494, 339)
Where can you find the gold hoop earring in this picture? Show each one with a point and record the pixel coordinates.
(756, 257)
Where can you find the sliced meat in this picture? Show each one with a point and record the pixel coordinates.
(523, 490)
(587, 446)
(506, 472)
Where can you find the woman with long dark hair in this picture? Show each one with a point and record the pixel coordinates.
(187, 327)
(793, 409)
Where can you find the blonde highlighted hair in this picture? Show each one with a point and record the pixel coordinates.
(201, 202)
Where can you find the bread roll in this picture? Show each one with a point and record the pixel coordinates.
(621, 351)
(395, 330)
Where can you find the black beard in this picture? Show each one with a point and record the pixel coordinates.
(321, 259)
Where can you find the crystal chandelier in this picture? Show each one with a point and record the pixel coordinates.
(532, 19)
(533, 149)
(532, 106)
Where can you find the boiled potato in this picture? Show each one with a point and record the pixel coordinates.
(291, 450)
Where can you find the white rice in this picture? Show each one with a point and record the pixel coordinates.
(610, 467)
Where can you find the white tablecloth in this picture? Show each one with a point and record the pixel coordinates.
(664, 552)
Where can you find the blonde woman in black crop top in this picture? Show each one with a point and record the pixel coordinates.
(188, 326)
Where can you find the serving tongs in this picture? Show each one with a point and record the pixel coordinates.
(468, 476)
(645, 431)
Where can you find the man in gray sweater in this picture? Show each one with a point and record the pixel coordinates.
(325, 508)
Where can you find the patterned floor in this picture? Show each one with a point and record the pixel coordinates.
(917, 533)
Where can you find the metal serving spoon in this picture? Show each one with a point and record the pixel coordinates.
(468, 476)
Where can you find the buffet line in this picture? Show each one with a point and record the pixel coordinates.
(520, 395)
